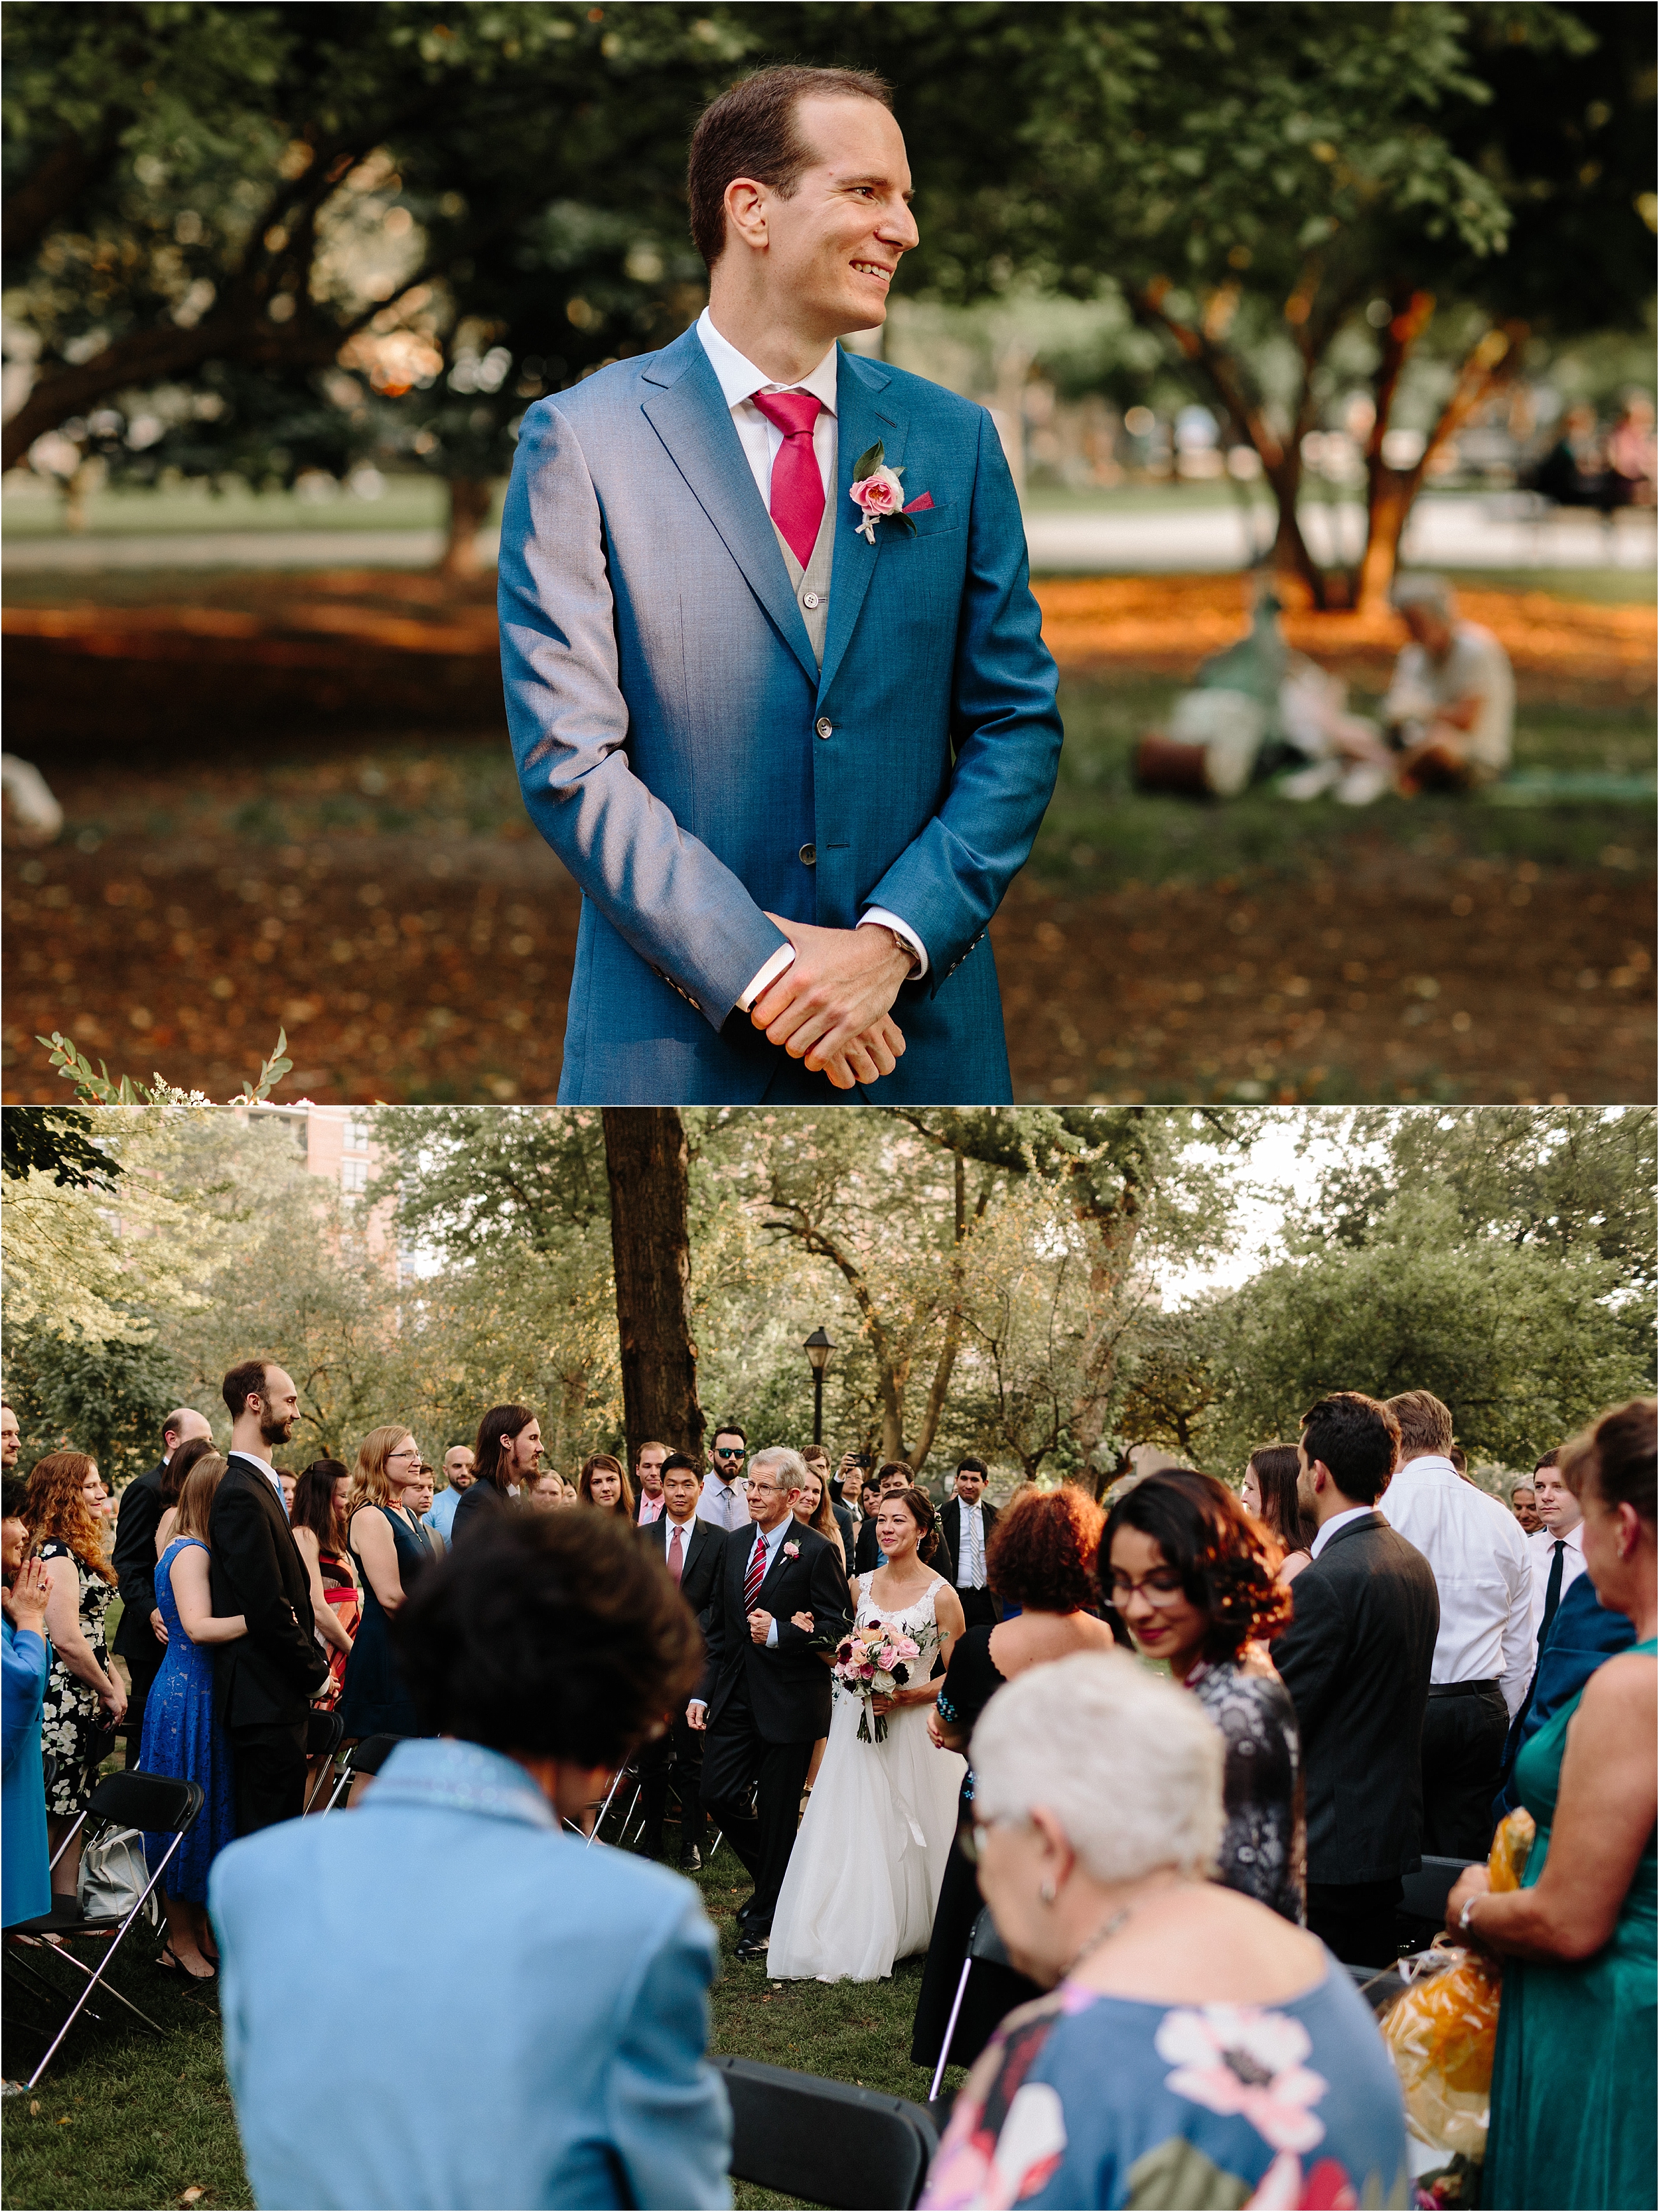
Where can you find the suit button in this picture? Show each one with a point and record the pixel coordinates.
(823, 726)
(809, 600)
(809, 856)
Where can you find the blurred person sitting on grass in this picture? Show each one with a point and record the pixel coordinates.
(25, 1883)
(538, 1655)
(1196, 2049)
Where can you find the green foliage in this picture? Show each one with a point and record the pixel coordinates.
(106, 1399)
(103, 1088)
(56, 1141)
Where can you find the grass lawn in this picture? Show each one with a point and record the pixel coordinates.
(125, 2119)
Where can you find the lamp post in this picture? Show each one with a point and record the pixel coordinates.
(818, 1348)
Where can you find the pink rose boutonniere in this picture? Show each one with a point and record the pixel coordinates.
(880, 497)
(792, 1550)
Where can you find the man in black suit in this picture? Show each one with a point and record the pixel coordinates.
(692, 1550)
(765, 1700)
(967, 1522)
(141, 1637)
(1355, 1659)
(264, 1682)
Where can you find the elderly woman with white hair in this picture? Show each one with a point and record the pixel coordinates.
(1196, 2049)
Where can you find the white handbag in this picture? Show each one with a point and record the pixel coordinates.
(113, 1876)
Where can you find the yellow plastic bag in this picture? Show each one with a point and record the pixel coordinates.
(1441, 2030)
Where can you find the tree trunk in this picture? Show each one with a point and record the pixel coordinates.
(645, 1159)
(469, 504)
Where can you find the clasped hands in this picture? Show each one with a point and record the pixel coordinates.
(830, 1007)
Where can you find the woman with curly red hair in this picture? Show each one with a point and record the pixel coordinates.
(1194, 1580)
(1041, 1557)
(85, 1696)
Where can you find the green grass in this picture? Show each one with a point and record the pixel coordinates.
(126, 2119)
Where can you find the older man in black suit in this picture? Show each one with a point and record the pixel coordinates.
(765, 1700)
(967, 1522)
(263, 1683)
(692, 1549)
(1355, 1659)
(140, 1638)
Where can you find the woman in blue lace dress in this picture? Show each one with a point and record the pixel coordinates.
(182, 1734)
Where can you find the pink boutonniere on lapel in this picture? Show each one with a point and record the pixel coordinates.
(880, 497)
(792, 1550)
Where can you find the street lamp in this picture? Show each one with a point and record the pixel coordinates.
(818, 1348)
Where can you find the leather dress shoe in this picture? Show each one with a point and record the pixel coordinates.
(690, 1860)
(753, 1946)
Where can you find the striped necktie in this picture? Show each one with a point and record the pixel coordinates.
(757, 1575)
(975, 1564)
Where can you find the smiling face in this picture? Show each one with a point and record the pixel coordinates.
(896, 1532)
(810, 1496)
(1249, 1490)
(1147, 1593)
(93, 1490)
(830, 249)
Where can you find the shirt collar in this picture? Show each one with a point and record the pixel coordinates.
(740, 379)
(1574, 1539)
(1337, 1521)
(266, 1469)
(1426, 1463)
(462, 1777)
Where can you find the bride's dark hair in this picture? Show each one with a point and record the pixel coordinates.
(920, 1507)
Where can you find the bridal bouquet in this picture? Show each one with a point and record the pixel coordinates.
(873, 1662)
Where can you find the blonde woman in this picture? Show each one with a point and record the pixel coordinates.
(85, 1696)
(390, 1549)
(812, 1509)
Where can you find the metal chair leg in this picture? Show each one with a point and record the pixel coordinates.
(79, 2005)
(63, 1951)
(950, 2028)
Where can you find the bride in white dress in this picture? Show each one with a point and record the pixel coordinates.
(882, 1818)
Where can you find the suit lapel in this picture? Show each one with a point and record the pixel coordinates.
(689, 413)
(864, 415)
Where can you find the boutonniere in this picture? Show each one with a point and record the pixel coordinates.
(792, 1550)
(880, 497)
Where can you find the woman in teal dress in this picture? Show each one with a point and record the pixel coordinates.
(1574, 2089)
(392, 1550)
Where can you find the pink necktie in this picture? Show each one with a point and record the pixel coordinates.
(796, 486)
(676, 1557)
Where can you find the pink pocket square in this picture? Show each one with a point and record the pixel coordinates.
(920, 506)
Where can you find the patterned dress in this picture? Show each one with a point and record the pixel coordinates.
(75, 1731)
(1264, 1847)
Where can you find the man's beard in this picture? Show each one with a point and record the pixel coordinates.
(273, 1431)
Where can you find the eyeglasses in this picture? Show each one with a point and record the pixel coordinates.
(973, 1835)
(721, 1452)
(414, 1455)
(1163, 1591)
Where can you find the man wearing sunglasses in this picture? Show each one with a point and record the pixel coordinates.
(725, 1499)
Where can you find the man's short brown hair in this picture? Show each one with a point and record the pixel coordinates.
(750, 131)
(1426, 1424)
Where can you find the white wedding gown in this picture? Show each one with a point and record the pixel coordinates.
(880, 1823)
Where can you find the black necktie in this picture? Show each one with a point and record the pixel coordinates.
(1552, 1589)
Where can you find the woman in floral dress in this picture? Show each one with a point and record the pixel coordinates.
(85, 1696)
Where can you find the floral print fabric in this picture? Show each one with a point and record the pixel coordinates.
(75, 1723)
(1085, 2100)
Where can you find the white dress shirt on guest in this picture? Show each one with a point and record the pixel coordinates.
(970, 1552)
(761, 442)
(725, 1504)
(1540, 1547)
(1337, 1521)
(1481, 1569)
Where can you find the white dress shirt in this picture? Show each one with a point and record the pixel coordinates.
(1541, 1550)
(1481, 1569)
(761, 442)
(265, 1468)
(1337, 1521)
(971, 1549)
(772, 1538)
(725, 1504)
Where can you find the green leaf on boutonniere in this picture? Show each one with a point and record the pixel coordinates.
(909, 527)
(867, 463)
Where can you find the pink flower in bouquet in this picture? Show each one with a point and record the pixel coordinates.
(1238, 2058)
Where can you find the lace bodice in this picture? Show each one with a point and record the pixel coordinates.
(916, 1620)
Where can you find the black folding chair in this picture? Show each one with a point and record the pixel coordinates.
(157, 1804)
(323, 1733)
(804, 2137)
(983, 1942)
(368, 1757)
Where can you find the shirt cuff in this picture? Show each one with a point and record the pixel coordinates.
(765, 977)
(880, 915)
(772, 1635)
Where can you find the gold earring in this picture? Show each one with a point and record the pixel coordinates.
(1048, 1893)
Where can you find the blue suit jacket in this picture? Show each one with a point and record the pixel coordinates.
(527, 2017)
(1584, 1635)
(25, 1883)
(680, 750)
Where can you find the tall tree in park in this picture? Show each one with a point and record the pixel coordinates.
(646, 1163)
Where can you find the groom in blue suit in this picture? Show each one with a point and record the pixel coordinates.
(792, 742)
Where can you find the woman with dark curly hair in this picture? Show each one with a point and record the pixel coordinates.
(1041, 1557)
(1189, 1574)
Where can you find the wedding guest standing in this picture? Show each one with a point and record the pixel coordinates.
(692, 1549)
(1574, 2088)
(602, 1483)
(1557, 1546)
(539, 1654)
(319, 1523)
(85, 1696)
(1355, 1659)
(966, 1522)
(1185, 1570)
(505, 1459)
(263, 1682)
(813, 1511)
(458, 1480)
(1042, 1560)
(723, 1500)
(179, 1465)
(648, 1483)
(390, 1549)
(182, 1736)
(137, 1638)
(25, 1884)
(1196, 2048)
(1269, 1491)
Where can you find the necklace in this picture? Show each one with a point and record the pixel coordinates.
(1107, 1930)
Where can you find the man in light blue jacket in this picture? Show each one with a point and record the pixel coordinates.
(575, 1980)
(775, 675)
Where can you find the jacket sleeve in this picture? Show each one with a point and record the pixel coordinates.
(242, 1538)
(1308, 1655)
(28, 1663)
(666, 2111)
(1004, 727)
(683, 911)
(715, 1631)
(134, 1556)
(828, 1606)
